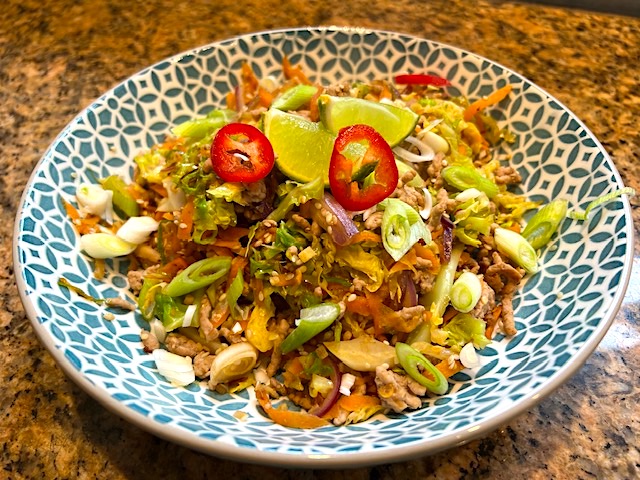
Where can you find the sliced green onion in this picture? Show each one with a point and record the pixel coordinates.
(198, 275)
(544, 223)
(199, 128)
(439, 295)
(105, 245)
(233, 362)
(462, 178)
(147, 296)
(466, 292)
(295, 97)
(123, 202)
(514, 246)
(411, 360)
(401, 227)
(599, 201)
(233, 293)
(313, 320)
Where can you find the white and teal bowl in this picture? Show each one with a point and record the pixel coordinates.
(561, 313)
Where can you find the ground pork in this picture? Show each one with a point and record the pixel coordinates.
(486, 303)
(398, 392)
(501, 276)
(183, 346)
(202, 364)
(507, 176)
(136, 278)
(149, 341)
(117, 302)
(443, 203)
(434, 169)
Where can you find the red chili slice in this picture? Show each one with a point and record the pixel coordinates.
(422, 79)
(347, 173)
(241, 153)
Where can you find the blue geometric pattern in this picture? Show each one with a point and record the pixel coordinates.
(562, 312)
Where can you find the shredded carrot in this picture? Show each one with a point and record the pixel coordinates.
(356, 401)
(428, 254)
(314, 112)
(159, 189)
(249, 80)
(386, 93)
(294, 72)
(360, 306)
(407, 262)
(233, 233)
(174, 266)
(237, 264)
(365, 236)
(98, 269)
(288, 418)
(186, 220)
(231, 100)
(483, 103)
(492, 321)
(220, 314)
(447, 370)
(266, 99)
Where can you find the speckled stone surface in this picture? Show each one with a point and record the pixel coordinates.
(57, 56)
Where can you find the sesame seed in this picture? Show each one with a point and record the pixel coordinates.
(352, 297)
(261, 296)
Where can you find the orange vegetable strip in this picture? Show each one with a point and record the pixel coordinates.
(186, 220)
(428, 254)
(174, 266)
(237, 264)
(447, 370)
(287, 418)
(360, 306)
(365, 236)
(314, 112)
(294, 72)
(483, 103)
(492, 321)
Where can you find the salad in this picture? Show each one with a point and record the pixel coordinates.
(344, 250)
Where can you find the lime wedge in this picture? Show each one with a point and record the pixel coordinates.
(393, 123)
(302, 147)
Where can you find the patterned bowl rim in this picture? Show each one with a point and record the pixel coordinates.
(340, 460)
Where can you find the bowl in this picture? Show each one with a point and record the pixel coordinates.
(561, 313)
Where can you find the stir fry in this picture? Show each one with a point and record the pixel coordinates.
(344, 250)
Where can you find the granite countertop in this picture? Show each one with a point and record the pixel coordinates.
(58, 56)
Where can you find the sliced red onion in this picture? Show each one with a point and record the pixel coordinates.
(344, 228)
(408, 287)
(426, 152)
(334, 394)
(447, 237)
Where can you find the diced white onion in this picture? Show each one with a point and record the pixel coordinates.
(188, 315)
(93, 198)
(237, 328)
(175, 199)
(105, 245)
(178, 370)
(468, 356)
(426, 152)
(157, 328)
(346, 383)
(137, 229)
(233, 362)
(428, 204)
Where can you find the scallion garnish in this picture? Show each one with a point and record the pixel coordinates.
(599, 201)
